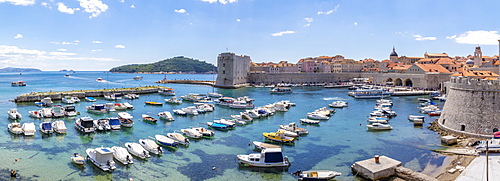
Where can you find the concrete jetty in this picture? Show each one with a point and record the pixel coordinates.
(477, 169)
(200, 82)
(37, 96)
(376, 168)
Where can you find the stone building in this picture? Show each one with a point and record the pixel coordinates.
(232, 70)
(478, 56)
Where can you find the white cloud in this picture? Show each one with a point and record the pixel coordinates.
(220, 1)
(180, 11)
(95, 7)
(355, 23)
(65, 43)
(308, 20)
(238, 20)
(283, 33)
(120, 46)
(96, 41)
(98, 50)
(421, 38)
(19, 2)
(477, 37)
(62, 49)
(132, 6)
(122, 1)
(331, 11)
(61, 54)
(18, 36)
(64, 9)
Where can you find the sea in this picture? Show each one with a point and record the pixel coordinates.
(334, 144)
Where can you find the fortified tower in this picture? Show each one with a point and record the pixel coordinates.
(478, 56)
(472, 106)
(232, 70)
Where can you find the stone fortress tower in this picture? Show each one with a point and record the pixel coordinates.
(232, 70)
(472, 105)
(478, 56)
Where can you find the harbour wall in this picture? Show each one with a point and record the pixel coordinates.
(37, 96)
(471, 106)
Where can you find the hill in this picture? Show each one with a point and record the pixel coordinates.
(12, 69)
(176, 64)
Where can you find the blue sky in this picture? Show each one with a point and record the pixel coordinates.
(101, 34)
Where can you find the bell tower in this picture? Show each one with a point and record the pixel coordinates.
(478, 56)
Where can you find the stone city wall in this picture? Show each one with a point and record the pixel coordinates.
(471, 105)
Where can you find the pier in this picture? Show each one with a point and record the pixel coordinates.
(200, 82)
(37, 96)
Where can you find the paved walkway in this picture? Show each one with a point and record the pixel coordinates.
(476, 171)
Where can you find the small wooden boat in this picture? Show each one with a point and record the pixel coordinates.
(146, 117)
(309, 121)
(15, 128)
(316, 174)
(153, 103)
(261, 146)
(77, 159)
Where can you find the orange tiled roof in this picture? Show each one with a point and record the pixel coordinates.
(476, 73)
(433, 68)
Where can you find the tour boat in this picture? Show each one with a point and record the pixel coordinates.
(279, 137)
(114, 123)
(146, 117)
(121, 154)
(173, 100)
(316, 174)
(166, 115)
(59, 126)
(167, 92)
(46, 128)
(294, 128)
(15, 128)
(18, 83)
(96, 108)
(281, 90)
(204, 132)
(166, 141)
(269, 157)
(178, 137)
(102, 158)
(28, 129)
(261, 146)
(153, 103)
(102, 124)
(371, 93)
(13, 114)
(85, 124)
(78, 159)
(379, 126)
(309, 121)
(151, 146)
(70, 110)
(137, 150)
(192, 133)
(338, 104)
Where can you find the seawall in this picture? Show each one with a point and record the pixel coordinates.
(37, 96)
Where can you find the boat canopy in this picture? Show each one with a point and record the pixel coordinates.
(46, 126)
(272, 157)
(99, 107)
(69, 108)
(114, 121)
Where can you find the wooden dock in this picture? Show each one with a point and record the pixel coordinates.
(200, 82)
(37, 96)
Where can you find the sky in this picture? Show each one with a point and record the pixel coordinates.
(87, 35)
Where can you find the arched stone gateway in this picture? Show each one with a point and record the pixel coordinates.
(398, 82)
(408, 83)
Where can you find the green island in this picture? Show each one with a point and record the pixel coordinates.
(178, 64)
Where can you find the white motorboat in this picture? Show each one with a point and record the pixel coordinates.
(492, 144)
(128, 105)
(110, 107)
(29, 129)
(242, 117)
(121, 154)
(57, 111)
(179, 112)
(413, 117)
(166, 141)
(204, 107)
(102, 125)
(137, 150)
(192, 133)
(90, 99)
(261, 146)
(204, 132)
(45, 102)
(75, 99)
(252, 113)
(15, 128)
(178, 137)
(125, 115)
(96, 108)
(384, 101)
(166, 115)
(269, 157)
(102, 158)
(151, 146)
(280, 107)
(113, 96)
(46, 128)
(13, 114)
(174, 100)
(281, 90)
(325, 111)
(214, 95)
(131, 96)
(338, 104)
(36, 114)
(226, 122)
(316, 115)
(190, 110)
(120, 106)
(379, 126)
(78, 159)
(294, 128)
(309, 121)
(59, 126)
(316, 174)
(114, 123)
(167, 92)
(237, 122)
(377, 120)
(288, 133)
(85, 124)
(70, 110)
(149, 118)
(241, 105)
(68, 100)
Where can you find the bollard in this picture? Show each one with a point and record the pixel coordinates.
(377, 159)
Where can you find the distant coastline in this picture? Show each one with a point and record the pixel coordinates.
(164, 73)
(12, 69)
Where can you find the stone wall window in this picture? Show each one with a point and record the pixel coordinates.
(462, 127)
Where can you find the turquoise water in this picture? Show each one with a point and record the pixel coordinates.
(333, 145)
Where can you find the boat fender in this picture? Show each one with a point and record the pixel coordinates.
(159, 149)
(108, 163)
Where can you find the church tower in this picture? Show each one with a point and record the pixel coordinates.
(478, 56)
(394, 56)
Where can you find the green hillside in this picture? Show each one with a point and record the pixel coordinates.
(176, 64)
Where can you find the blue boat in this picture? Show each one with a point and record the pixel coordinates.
(90, 99)
(165, 141)
(217, 125)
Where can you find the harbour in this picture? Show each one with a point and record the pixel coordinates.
(333, 145)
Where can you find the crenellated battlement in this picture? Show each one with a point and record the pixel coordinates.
(474, 84)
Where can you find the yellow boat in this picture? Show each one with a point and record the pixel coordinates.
(153, 103)
(279, 137)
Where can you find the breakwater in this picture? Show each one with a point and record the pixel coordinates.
(37, 96)
(201, 82)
